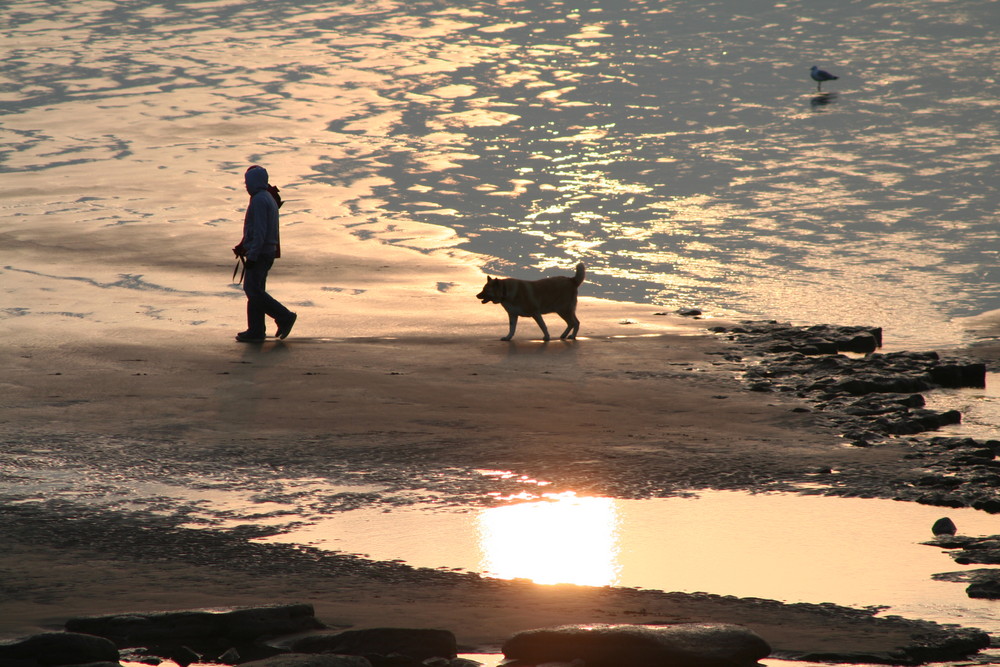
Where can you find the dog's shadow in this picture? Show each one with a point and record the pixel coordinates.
(539, 346)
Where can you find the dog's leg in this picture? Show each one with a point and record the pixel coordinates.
(513, 326)
(572, 325)
(541, 325)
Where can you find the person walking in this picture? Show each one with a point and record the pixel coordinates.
(258, 250)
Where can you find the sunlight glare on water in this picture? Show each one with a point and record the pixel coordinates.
(561, 539)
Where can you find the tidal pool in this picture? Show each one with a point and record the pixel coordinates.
(794, 548)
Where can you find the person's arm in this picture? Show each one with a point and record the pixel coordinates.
(255, 229)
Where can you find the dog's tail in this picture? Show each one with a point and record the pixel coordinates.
(580, 272)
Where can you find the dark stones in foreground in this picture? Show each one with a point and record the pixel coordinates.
(239, 636)
(681, 645)
(50, 649)
(311, 660)
(236, 625)
(416, 644)
(627, 645)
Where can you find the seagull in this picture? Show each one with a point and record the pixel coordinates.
(819, 76)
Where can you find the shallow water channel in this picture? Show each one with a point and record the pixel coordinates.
(794, 548)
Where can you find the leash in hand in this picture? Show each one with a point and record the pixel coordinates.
(241, 266)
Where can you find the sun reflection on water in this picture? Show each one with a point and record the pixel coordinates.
(560, 539)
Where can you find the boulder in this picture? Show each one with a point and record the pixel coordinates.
(679, 645)
(235, 625)
(864, 343)
(944, 526)
(418, 644)
(50, 649)
(310, 660)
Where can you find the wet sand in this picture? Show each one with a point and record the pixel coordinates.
(644, 404)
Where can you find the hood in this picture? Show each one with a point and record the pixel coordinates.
(255, 179)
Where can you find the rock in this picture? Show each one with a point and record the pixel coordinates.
(235, 625)
(253, 622)
(679, 645)
(418, 644)
(310, 660)
(689, 312)
(230, 656)
(50, 649)
(182, 655)
(453, 662)
(985, 584)
(944, 526)
(959, 374)
(880, 384)
(865, 343)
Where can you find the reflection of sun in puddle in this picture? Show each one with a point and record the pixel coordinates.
(849, 551)
(562, 539)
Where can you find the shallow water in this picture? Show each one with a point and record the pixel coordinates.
(849, 551)
(980, 408)
(678, 148)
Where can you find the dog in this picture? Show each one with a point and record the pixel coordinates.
(533, 298)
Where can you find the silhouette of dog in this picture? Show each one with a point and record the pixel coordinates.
(533, 298)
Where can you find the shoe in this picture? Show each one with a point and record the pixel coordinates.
(286, 328)
(247, 337)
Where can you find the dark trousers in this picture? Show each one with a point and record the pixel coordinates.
(259, 302)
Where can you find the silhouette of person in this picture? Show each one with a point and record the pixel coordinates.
(258, 248)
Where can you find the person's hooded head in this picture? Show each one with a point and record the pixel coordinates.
(255, 179)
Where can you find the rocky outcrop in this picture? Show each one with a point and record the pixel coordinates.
(955, 472)
(415, 644)
(781, 338)
(985, 585)
(51, 649)
(237, 625)
(869, 398)
(967, 550)
(963, 641)
(186, 637)
(680, 645)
